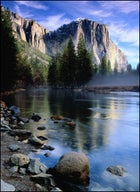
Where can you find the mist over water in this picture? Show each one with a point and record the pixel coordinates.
(118, 80)
(107, 131)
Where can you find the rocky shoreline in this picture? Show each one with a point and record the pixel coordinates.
(94, 88)
(19, 172)
(17, 169)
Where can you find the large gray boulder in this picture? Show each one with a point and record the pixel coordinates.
(74, 167)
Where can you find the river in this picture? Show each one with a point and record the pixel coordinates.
(107, 131)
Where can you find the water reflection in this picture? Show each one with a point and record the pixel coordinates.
(106, 130)
(93, 114)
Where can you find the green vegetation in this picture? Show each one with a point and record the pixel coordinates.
(71, 69)
(8, 52)
(84, 62)
(21, 64)
(35, 61)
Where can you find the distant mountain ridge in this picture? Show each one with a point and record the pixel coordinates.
(50, 42)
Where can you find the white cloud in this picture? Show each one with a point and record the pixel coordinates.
(121, 6)
(24, 14)
(121, 33)
(100, 13)
(32, 4)
(54, 22)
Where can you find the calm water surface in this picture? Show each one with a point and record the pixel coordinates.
(107, 131)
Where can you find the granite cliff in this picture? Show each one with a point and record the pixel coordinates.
(29, 31)
(96, 38)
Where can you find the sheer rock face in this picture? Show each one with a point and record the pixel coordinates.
(30, 31)
(96, 37)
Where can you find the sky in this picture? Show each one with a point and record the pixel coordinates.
(121, 17)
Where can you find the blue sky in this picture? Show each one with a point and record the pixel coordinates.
(122, 18)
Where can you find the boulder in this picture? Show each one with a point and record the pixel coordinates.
(13, 147)
(23, 119)
(59, 117)
(35, 117)
(36, 167)
(71, 124)
(42, 178)
(36, 141)
(22, 171)
(15, 110)
(116, 170)
(42, 138)
(20, 133)
(20, 159)
(41, 128)
(74, 167)
(6, 186)
(14, 169)
(55, 189)
(47, 147)
(3, 105)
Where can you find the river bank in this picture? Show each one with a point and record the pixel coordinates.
(91, 88)
(107, 89)
(20, 182)
(15, 140)
(20, 171)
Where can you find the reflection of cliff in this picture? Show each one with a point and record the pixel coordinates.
(64, 103)
(89, 133)
(95, 116)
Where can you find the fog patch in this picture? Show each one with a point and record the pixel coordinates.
(112, 80)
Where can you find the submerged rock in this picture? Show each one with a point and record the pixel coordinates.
(35, 117)
(59, 117)
(116, 170)
(74, 167)
(47, 147)
(41, 128)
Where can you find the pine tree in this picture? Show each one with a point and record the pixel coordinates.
(8, 52)
(116, 68)
(129, 68)
(109, 70)
(52, 76)
(68, 68)
(24, 70)
(84, 64)
(103, 67)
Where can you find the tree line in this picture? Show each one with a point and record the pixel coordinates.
(71, 68)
